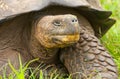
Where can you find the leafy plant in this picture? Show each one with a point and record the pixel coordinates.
(112, 38)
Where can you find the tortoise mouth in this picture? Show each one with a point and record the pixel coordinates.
(65, 39)
(60, 41)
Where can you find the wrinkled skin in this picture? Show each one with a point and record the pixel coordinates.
(61, 36)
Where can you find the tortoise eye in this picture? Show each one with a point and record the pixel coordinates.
(57, 23)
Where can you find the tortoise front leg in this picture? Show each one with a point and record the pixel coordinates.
(88, 59)
(12, 56)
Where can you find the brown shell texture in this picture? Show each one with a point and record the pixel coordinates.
(13, 7)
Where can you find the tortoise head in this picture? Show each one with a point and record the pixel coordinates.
(54, 31)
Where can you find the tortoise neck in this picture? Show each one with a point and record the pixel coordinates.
(44, 54)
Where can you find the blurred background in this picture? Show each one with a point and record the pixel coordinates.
(112, 38)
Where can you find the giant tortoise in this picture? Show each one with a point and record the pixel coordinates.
(58, 32)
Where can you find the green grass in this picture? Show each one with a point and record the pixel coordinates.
(21, 72)
(112, 38)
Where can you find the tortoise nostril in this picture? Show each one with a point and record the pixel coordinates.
(74, 20)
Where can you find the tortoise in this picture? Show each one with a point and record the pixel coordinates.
(58, 32)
